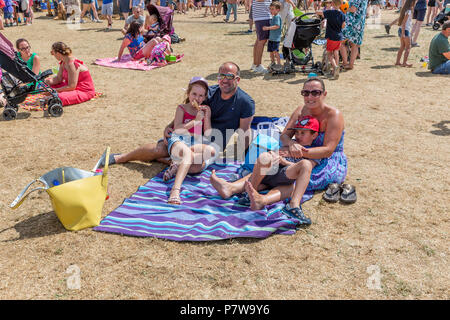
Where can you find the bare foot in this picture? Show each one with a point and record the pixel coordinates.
(221, 185)
(398, 64)
(407, 65)
(256, 202)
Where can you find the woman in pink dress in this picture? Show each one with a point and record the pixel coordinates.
(73, 82)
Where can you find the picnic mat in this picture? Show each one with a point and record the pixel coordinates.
(202, 216)
(128, 63)
(32, 102)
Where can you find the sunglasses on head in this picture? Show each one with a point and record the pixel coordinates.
(228, 76)
(314, 93)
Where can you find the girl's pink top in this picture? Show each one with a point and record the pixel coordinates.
(197, 129)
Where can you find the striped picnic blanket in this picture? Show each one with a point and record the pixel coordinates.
(202, 216)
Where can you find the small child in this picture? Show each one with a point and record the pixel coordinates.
(333, 34)
(185, 146)
(404, 32)
(274, 36)
(288, 170)
(153, 29)
(8, 11)
(159, 52)
(107, 10)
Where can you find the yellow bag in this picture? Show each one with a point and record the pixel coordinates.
(77, 195)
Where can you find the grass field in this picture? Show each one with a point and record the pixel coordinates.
(391, 244)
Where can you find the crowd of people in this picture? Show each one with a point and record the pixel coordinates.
(311, 156)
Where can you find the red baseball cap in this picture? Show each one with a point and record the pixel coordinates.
(306, 123)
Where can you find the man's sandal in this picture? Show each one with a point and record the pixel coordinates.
(333, 193)
(348, 194)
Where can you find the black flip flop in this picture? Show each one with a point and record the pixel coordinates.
(348, 194)
(111, 159)
(332, 193)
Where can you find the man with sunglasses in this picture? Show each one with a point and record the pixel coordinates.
(231, 109)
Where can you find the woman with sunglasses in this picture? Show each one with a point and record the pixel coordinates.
(328, 146)
(25, 54)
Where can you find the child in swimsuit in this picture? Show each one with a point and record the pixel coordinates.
(187, 150)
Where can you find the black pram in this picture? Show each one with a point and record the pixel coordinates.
(297, 48)
(18, 81)
(441, 17)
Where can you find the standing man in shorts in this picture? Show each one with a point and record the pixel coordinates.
(419, 15)
(261, 18)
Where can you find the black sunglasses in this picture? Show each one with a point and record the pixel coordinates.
(228, 76)
(314, 93)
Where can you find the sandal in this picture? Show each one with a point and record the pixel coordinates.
(111, 159)
(245, 200)
(296, 213)
(174, 199)
(332, 193)
(348, 195)
(170, 172)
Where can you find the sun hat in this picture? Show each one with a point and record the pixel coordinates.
(198, 79)
(306, 123)
(167, 38)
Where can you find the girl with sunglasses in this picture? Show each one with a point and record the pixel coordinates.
(185, 146)
(328, 146)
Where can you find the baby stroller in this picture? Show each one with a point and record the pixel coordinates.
(441, 17)
(165, 20)
(297, 49)
(18, 81)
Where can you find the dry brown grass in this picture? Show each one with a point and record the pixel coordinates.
(400, 222)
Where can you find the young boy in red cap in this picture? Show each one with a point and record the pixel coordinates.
(276, 168)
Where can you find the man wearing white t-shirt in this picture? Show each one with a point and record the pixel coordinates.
(261, 18)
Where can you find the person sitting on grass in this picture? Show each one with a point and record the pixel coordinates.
(160, 50)
(328, 146)
(439, 53)
(186, 146)
(133, 40)
(137, 16)
(232, 109)
(25, 54)
(277, 168)
(73, 82)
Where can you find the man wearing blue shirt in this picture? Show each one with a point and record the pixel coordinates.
(231, 109)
